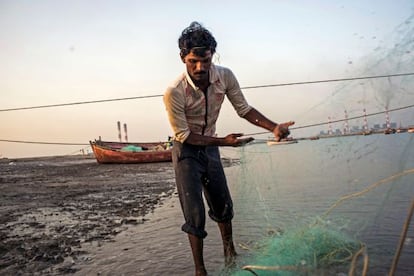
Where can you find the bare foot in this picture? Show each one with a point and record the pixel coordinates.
(201, 272)
(230, 256)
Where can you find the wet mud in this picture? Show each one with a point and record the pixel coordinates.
(51, 206)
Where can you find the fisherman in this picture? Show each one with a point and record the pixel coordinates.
(193, 105)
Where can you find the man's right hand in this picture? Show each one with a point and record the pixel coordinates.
(234, 140)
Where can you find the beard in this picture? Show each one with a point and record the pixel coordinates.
(200, 76)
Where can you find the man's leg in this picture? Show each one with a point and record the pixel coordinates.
(226, 231)
(189, 162)
(197, 250)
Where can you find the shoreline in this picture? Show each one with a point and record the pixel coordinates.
(51, 206)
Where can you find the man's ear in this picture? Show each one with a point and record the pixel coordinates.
(182, 57)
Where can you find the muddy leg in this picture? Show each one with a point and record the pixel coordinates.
(226, 231)
(197, 250)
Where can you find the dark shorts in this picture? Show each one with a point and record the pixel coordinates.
(198, 169)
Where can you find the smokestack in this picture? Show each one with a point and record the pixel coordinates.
(119, 131)
(387, 118)
(365, 120)
(330, 132)
(126, 132)
(346, 128)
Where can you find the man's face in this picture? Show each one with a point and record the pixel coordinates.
(198, 66)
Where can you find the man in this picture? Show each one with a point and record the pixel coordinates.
(193, 104)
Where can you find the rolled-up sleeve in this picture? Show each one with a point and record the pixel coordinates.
(174, 103)
(235, 95)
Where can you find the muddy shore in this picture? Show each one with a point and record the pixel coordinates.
(51, 206)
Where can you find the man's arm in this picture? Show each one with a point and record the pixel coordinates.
(258, 119)
(232, 140)
(234, 94)
(280, 131)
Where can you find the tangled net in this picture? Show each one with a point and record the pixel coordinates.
(313, 248)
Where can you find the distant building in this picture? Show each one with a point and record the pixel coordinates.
(392, 125)
(357, 129)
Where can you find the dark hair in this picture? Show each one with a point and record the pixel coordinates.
(197, 38)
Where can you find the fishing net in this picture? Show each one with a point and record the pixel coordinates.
(303, 250)
(292, 221)
(339, 205)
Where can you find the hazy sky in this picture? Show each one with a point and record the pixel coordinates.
(55, 52)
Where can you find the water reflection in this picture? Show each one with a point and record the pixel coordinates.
(277, 194)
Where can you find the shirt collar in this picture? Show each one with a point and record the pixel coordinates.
(213, 75)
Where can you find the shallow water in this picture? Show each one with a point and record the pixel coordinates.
(279, 188)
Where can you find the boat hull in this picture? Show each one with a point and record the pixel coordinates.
(112, 153)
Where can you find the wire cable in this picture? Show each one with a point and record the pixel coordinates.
(329, 80)
(247, 87)
(244, 88)
(79, 103)
(43, 143)
(339, 120)
(249, 134)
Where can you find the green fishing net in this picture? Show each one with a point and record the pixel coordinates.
(334, 206)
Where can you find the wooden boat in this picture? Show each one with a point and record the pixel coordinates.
(131, 153)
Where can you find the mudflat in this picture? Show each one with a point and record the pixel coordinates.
(51, 206)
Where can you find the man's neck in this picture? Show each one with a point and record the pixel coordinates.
(203, 84)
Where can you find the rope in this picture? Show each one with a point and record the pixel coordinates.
(356, 117)
(249, 134)
(244, 88)
(82, 150)
(382, 181)
(402, 239)
(352, 268)
(43, 143)
(362, 250)
(329, 80)
(339, 120)
(251, 268)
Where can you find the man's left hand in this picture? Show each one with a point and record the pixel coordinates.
(281, 131)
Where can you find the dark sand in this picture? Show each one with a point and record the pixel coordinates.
(51, 206)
